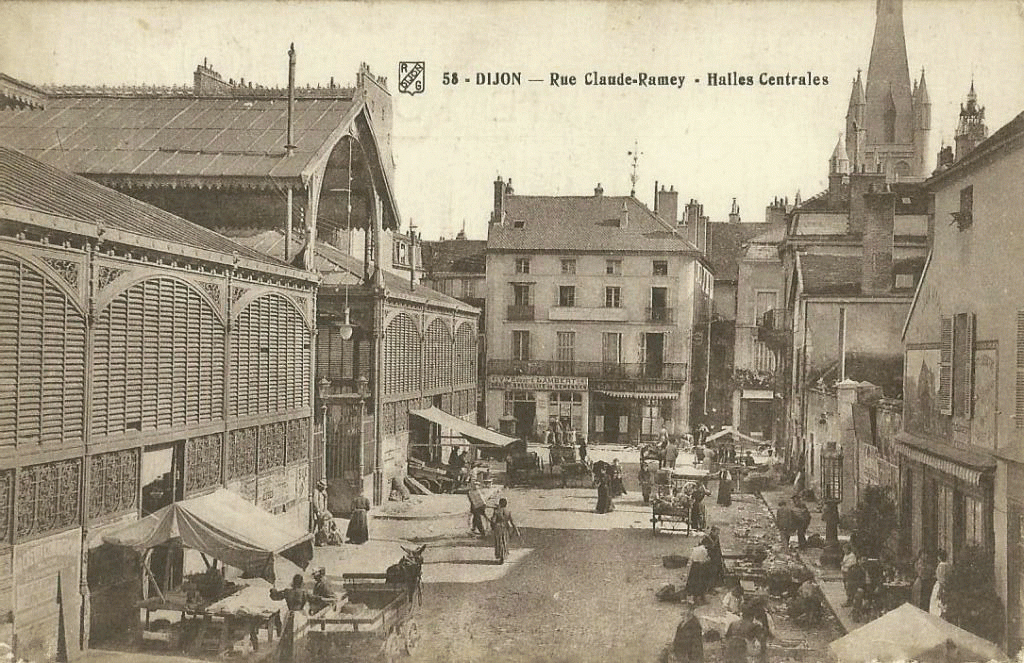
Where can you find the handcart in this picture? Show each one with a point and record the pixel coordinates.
(374, 623)
(668, 511)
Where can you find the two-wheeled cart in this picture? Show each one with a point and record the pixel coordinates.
(374, 623)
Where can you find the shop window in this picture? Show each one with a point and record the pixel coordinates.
(567, 295)
(568, 265)
(522, 265)
(613, 297)
(974, 521)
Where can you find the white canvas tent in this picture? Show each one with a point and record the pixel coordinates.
(911, 634)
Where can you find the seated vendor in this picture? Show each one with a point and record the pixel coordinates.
(323, 594)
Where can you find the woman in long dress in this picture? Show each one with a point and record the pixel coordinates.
(502, 525)
(604, 494)
(937, 604)
(697, 577)
(358, 524)
(296, 598)
(615, 473)
(725, 488)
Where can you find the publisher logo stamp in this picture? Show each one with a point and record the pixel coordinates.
(411, 77)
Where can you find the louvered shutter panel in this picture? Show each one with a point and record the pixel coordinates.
(1019, 392)
(946, 366)
(963, 372)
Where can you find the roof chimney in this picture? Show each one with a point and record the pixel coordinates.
(623, 216)
(666, 204)
(290, 144)
(498, 214)
(598, 190)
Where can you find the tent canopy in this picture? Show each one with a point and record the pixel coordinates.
(909, 633)
(737, 437)
(473, 432)
(224, 526)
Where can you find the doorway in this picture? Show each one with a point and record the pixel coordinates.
(525, 413)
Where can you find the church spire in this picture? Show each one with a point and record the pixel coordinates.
(971, 129)
(889, 78)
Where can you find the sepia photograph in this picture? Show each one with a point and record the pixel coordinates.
(638, 331)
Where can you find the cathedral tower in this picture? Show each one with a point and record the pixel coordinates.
(888, 120)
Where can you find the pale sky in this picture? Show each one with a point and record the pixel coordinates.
(711, 143)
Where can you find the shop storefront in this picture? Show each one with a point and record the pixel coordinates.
(626, 417)
(533, 402)
(947, 496)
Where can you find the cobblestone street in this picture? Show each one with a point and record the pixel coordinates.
(581, 586)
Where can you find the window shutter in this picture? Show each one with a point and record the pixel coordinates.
(963, 372)
(1019, 394)
(946, 366)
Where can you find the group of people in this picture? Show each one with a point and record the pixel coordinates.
(298, 599)
(501, 521)
(609, 485)
(750, 623)
(326, 531)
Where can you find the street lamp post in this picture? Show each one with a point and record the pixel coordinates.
(832, 495)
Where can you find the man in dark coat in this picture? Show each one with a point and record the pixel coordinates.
(688, 644)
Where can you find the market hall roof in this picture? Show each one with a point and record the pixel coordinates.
(181, 141)
(34, 192)
(583, 223)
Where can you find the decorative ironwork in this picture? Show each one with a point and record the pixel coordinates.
(213, 290)
(48, 497)
(297, 447)
(242, 453)
(203, 462)
(271, 446)
(108, 275)
(113, 482)
(67, 269)
(6, 492)
(236, 294)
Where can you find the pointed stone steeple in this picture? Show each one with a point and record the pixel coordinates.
(888, 78)
(855, 120)
(839, 163)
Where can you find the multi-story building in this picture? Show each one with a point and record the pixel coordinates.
(293, 173)
(732, 327)
(598, 314)
(143, 360)
(759, 290)
(962, 445)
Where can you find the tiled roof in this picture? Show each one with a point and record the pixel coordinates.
(175, 137)
(583, 223)
(31, 184)
(727, 241)
(455, 255)
(831, 275)
(338, 268)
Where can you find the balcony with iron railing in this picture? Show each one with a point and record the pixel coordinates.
(588, 369)
(520, 312)
(775, 327)
(661, 315)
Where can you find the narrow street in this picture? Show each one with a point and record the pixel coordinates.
(579, 587)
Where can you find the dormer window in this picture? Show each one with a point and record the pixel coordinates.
(519, 224)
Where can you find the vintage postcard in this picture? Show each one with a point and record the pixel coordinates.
(512, 331)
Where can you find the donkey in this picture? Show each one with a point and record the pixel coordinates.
(408, 571)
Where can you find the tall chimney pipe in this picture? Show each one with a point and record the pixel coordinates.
(290, 144)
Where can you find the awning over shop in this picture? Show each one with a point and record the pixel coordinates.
(964, 464)
(911, 634)
(736, 436)
(466, 429)
(224, 526)
(648, 395)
